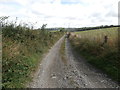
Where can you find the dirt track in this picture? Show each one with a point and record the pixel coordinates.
(76, 73)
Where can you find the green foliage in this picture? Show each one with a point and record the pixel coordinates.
(104, 57)
(3, 18)
(62, 30)
(43, 26)
(23, 49)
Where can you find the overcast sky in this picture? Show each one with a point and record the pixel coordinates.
(62, 13)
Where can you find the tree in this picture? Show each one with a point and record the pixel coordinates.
(62, 29)
(2, 20)
(43, 26)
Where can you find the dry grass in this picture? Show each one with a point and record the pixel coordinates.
(62, 53)
(22, 52)
(103, 56)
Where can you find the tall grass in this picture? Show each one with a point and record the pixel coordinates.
(105, 56)
(23, 49)
(98, 36)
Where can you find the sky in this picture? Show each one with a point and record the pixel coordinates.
(61, 13)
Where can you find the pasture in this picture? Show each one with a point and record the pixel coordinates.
(100, 48)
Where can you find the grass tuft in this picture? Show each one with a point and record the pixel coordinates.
(62, 53)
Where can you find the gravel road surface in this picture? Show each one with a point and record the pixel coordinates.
(75, 73)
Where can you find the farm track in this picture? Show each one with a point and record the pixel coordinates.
(76, 73)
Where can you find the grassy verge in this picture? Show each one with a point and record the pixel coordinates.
(62, 52)
(23, 49)
(105, 58)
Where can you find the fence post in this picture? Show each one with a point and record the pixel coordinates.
(106, 39)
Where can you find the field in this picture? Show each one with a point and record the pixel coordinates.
(23, 49)
(100, 48)
(98, 36)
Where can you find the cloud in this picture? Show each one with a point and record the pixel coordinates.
(57, 13)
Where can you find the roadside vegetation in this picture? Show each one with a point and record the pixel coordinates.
(22, 51)
(100, 48)
(62, 52)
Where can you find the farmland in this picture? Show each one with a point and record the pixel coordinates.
(100, 48)
(25, 54)
(98, 36)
